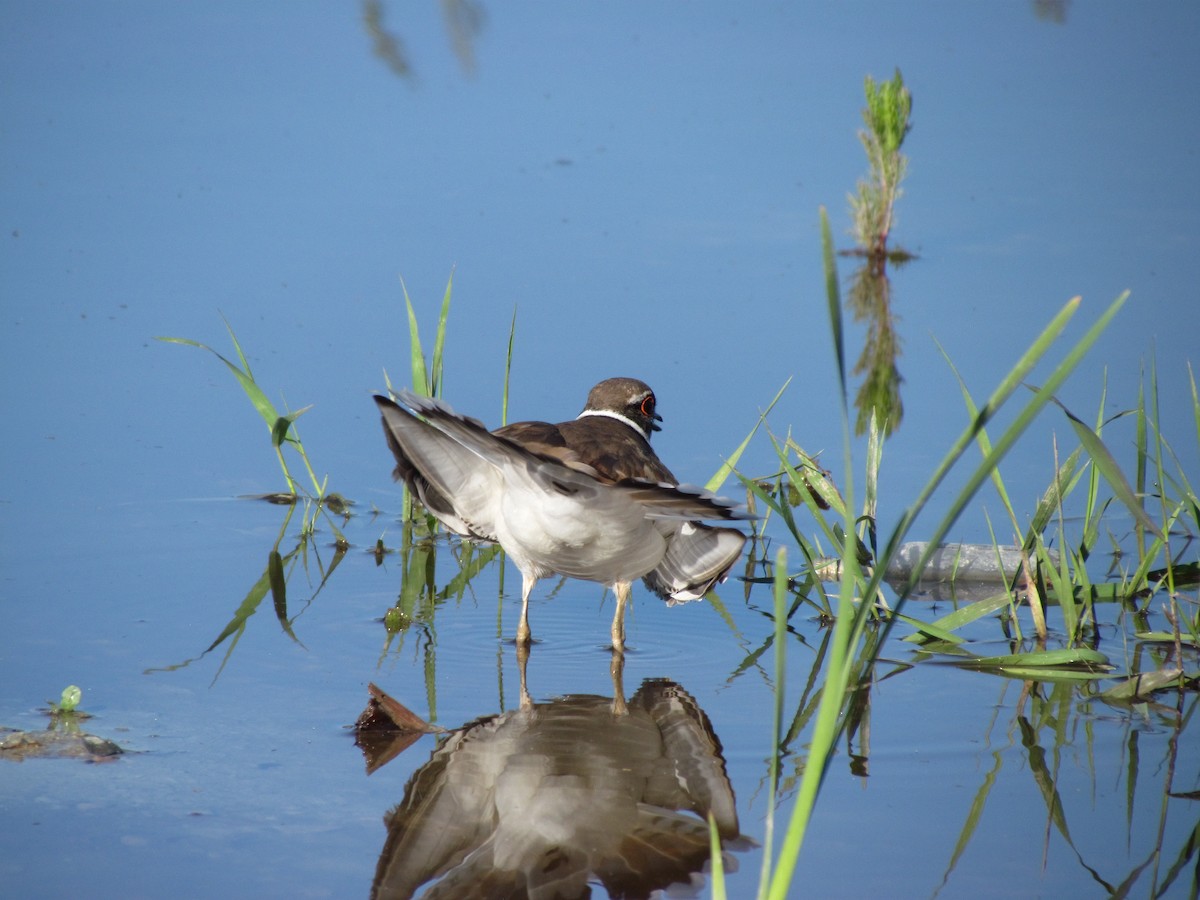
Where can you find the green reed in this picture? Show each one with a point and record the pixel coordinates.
(420, 596)
(860, 614)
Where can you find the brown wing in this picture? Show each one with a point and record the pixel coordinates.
(544, 439)
(614, 450)
(604, 447)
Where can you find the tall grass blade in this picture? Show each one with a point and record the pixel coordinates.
(825, 729)
(265, 408)
(437, 376)
(1111, 470)
(277, 425)
(999, 396)
(780, 638)
(1195, 402)
(420, 377)
(718, 862)
(833, 301)
(1042, 396)
(719, 477)
(508, 356)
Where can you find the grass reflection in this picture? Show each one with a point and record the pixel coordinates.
(1049, 721)
(420, 596)
(305, 555)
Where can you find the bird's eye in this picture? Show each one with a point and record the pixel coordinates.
(648, 406)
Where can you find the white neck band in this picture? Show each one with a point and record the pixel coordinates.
(620, 418)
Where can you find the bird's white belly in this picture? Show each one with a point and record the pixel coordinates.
(608, 541)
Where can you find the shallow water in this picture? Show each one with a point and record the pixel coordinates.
(644, 190)
(241, 769)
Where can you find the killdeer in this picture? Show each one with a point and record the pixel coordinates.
(586, 498)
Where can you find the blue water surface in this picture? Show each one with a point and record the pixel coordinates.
(640, 186)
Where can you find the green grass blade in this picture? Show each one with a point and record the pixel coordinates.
(985, 443)
(833, 301)
(282, 425)
(1142, 685)
(1077, 656)
(437, 376)
(714, 484)
(965, 616)
(266, 409)
(1195, 402)
(1110, 469)
(238, 348)
(508, 356)
(999, 396)
(780, 638)
(420, 378)
(826, 727)
(928, 631)
(264, 406)
(718, 862)
(1024, 419)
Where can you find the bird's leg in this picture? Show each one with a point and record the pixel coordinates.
(624, 591)
(522, 659)
(617, 669)
(524, 638)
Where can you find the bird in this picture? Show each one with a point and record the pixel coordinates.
(586, 498)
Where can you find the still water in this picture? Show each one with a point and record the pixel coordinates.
(641, 187)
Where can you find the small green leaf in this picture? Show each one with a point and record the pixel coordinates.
(71, 696)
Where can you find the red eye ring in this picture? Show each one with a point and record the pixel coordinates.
(648, 406)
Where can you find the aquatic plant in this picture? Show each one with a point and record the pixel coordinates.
(284, 435)
(860, 615)
(869, 297)
(305, 554)
(69, 701)
(889, 106)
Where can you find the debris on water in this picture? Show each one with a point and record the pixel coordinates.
(386, 728)
(958, 562)
(56, 743)
(970, 568)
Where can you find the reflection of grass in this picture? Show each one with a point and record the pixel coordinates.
(274, 582)
(1047, 734)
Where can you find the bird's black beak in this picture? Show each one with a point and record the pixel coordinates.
(653, 420)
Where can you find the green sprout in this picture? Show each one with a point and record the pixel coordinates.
(69, 701)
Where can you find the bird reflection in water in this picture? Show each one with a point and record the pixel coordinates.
(542, 801)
